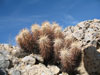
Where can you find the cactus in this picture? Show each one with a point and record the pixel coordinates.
(25, 40)
(58, 44)
(54, 26)
(50, 42)
(45, 48)
(68, 40)
(65, 59)
(70, 58)
(58, 33)
(35, 28)
(46, 30)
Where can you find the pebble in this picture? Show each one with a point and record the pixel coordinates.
(16, 72)
(54, 69)
(29, 60)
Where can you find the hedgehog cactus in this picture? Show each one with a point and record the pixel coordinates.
(54, 26)
(50, 42)
(25, 40)
(58, 44)
(46, 30)
(70, 57)
(45, 47)
(35, 31)
(58, 33)
(68, 40)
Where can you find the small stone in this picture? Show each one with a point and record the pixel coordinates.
(38, 57)
(63, 73)
(28, 60)
(15, 52)
(27, 67)
(16, 72)
(39, 69)
(54, 69)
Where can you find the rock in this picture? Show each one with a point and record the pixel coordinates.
(88, 33)
(3, 72)
(63, 73)
(69, 30)
(97, 25)
(16, 72)
(18, 52)
(54, 69)
(91, 60)
(81, 69)
(90, 30)
(96, 35)
(38, 58)
(39, 69)
(4, 52)
(4, 61)
(84, 25)
(8, 47)
(28, 60)
(87, 37)
(94, 43)
(78, 34)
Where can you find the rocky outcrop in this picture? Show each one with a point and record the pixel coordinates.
(88, 33)
(14, 61)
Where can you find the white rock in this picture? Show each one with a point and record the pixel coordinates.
(54, 69)
(28, 60)
(78, 34)
(39, 69)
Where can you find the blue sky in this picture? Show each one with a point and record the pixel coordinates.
(18, 14)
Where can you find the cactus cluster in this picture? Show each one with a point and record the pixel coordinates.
(49, 41)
